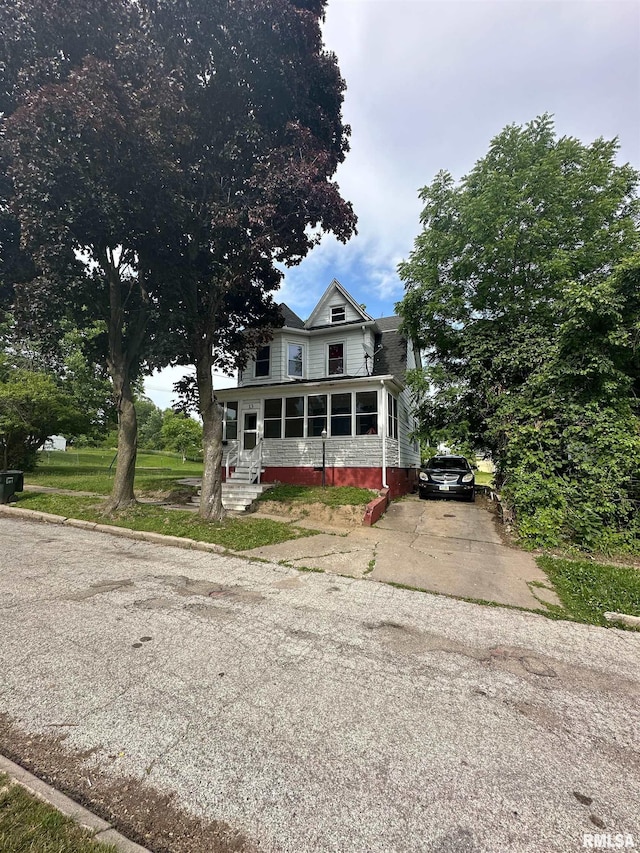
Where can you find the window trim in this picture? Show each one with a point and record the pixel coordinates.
(291, 418)
(324, 418)
(350, 415)
(372, 413)
(266, 419)
(302, 360)
(392, 417)
(225, 421)
(266, 375)
(344, 357)
(338, 307)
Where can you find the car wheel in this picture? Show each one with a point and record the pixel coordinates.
(472, 497)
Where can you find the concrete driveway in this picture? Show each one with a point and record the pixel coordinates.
(441, 546)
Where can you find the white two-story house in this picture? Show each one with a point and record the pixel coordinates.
(331, 389)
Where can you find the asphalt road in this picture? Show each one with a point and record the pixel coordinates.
(315, 712)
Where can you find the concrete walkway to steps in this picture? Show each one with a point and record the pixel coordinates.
(441, 546)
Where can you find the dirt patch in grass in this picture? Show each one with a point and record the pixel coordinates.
(314, 513)
(137, 810)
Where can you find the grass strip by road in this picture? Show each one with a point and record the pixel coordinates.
(237, 534)
(588, 589)
(27, 825)
(331, 496)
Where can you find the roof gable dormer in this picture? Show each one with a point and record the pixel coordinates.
(336, 307)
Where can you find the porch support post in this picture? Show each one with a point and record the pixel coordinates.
(384, 434)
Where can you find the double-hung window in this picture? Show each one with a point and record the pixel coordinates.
(295, 353)
(262, 362)
(316, 414)
(336, 359)
(341, 414)
(366, 413)
(230, 421)
(294, 417)
(273, 418)
(392, 410)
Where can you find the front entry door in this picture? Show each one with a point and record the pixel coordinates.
(248, 430)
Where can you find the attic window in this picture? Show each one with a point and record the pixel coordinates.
(338, 314)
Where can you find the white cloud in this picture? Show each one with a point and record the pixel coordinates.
(429, 85)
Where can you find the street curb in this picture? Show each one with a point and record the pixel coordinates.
(103, 831)
(125, 532)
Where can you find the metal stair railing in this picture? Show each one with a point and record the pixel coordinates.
(232, 458)
(255, 462)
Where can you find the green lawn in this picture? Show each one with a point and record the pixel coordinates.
(483, 478)
(92, 471)
(27, 825)
(238, 534)
(331, 496)
(588, 589)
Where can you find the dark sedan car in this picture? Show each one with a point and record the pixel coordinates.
(447, 476)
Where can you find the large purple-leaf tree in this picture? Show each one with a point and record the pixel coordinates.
(261, 138)
(179, 150)
(82, 138)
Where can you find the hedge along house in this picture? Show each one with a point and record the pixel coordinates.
(340, 373)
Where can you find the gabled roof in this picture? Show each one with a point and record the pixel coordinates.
(335, 288)
(291, 319)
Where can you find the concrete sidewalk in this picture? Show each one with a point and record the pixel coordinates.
(441, 546)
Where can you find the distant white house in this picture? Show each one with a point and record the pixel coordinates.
(55, 442)
(336, 380)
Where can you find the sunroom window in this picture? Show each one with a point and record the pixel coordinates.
(273, 418)
(392, 404)
(316, 414)
(294, 417)
(230, 421)
(367, 413)
(341, 414)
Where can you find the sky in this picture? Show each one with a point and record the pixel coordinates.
(429, 84)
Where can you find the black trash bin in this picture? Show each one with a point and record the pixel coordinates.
(10, 483)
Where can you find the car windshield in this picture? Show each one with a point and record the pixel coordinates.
(448, 462)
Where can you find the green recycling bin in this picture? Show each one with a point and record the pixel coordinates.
(10, 483)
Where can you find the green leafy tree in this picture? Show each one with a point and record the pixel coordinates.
(181, 433)
(32, 408)
(516, 293)
(255, 188)
(149, 424)
(86, 109)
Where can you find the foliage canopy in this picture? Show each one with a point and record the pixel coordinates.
(522, 291)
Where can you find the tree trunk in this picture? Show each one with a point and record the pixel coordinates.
(211, 413)
(120, 358)
(122, 492)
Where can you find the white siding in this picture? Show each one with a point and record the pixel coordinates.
(356, 343)
(275, 367)
(353, 340)
(361, 451)
(409, 450)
